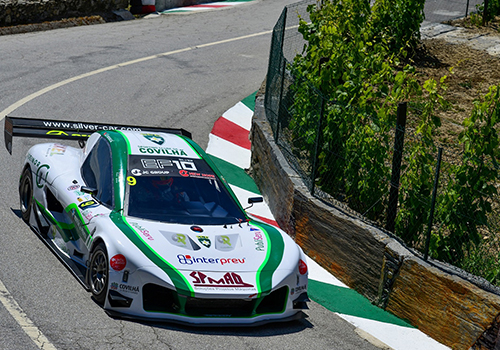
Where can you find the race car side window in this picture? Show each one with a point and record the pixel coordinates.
(97, 171)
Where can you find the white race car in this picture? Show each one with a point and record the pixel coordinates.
(145, 221)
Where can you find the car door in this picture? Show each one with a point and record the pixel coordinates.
(96, 172)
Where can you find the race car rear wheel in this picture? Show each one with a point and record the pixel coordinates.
(99, 273)
(26, 194)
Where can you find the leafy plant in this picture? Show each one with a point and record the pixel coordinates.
(466, 201)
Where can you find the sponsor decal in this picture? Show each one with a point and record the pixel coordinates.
(259, 241)
(302, 267)
(73, 187)
(226, 242)
(156, 172)
(154, 138)
(298, 289)
(162, 150)
(142, 230)
(136, 172)
(179, 238)
(62, 133)
(57, 149)
(184, 164)
(118, 262)
(124, 288)
(84, 126)
(33, 160)
(204, 240)
(88, 204)
(228, 280)
(190, 260)
(87, 214)
(39, 175)
(186, 173)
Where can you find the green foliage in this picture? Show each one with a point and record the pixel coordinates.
(398, 21)
(418, 168)
(484, 260)
(347, 84)
(466, 202)
(481, 16)
(363, 80)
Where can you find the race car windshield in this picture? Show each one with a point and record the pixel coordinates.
(183, 197)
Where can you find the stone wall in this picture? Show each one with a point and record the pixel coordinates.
(443, 305)
(15, 12)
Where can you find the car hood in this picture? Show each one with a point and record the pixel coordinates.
(242, 258)
(236, 247)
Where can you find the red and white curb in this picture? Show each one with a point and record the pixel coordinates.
(205, 7)
(229, 142)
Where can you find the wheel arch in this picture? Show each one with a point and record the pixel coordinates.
(96, 242)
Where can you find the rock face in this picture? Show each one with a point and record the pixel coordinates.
(443, 305)
(454, 310)
(15, 12)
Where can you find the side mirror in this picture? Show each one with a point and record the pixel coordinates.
(90, 190)
(253, 200)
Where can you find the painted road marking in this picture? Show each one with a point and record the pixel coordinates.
(205, 7)
(23, 320)
(5, 297)
(228, 151)
(231, 132)
(36, 94)
(374, 324)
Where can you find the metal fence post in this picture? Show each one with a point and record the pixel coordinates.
(396, 166)
(433, 204)
(319, 138)
(467, 9)
(485, 12)
(282, 67)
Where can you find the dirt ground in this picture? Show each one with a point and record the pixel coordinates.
(474, 72)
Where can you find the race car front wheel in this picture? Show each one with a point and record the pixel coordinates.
(26, 194)
(99, 273)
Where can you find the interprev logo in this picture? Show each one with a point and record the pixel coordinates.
(190, 260)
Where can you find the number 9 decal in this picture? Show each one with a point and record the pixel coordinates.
(131, 180)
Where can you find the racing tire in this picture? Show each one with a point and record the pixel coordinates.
(99, 273)
(26, 194)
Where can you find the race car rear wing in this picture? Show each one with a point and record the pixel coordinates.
(67, 130)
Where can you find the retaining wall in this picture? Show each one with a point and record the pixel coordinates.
(15, 12)
(448, 308)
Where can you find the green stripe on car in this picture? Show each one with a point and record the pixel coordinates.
(274, 255)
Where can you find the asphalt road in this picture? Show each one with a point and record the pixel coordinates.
(177, 80)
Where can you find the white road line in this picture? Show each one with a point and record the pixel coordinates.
(22, 319)
(5, 297)
(36, 94)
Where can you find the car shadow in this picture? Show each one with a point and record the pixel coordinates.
(262, 330)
